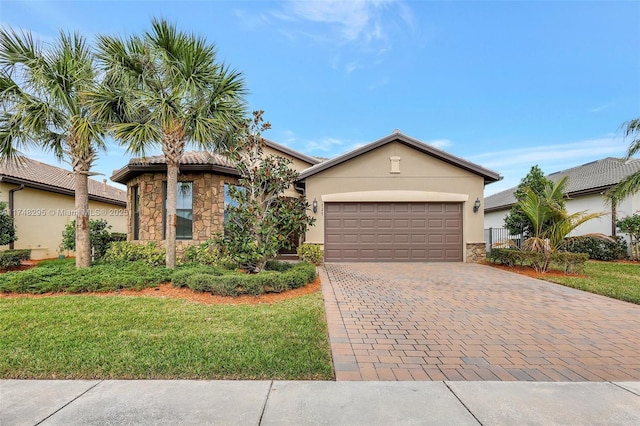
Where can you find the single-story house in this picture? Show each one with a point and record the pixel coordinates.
(585, 188)
(40, 197)
(395, 199)
(203, 181)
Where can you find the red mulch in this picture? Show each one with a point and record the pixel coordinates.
(530, 272)
(166, 291)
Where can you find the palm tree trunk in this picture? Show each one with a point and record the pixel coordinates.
(83, 235)
(171, 220)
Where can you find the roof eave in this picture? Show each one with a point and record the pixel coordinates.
(130, 171)
(56, 189)
(488, 175)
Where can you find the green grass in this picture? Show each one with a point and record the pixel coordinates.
(617, 280)
(121, 337)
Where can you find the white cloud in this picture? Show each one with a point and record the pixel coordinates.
(361, 27)
(602, 107)
(514, 164)
(439, 143)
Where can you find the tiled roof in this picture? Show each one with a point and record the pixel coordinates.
(590, 177)
(189, 157)
(44, 175)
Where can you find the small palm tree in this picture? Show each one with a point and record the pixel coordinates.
(41, 106)
(631, 184)
(166, 89)
(550, 220)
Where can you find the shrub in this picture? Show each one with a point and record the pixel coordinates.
(126, 251)
(276, 265)
(63, 276)
(13, 258)
(310, 253)
(569, 263)
(207, 253)
(563, 261)
(7, 226)
(181, 276)
(296, 276)
(99, 236)
(598, 248)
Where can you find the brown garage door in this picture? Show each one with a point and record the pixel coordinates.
(365, 232)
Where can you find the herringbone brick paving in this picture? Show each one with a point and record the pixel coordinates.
(458, 321)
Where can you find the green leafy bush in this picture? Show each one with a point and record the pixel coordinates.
(13, 258)
(99, 237)
(597, 248)
(563, 261)
(276, 265)
(206, 253)
(311, 253)
(7, 226)
(126, 251)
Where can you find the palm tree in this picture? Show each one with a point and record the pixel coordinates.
(631, 184)
(166, 89)
(550, 220)
(41, 106)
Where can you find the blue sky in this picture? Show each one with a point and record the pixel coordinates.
(504, 84)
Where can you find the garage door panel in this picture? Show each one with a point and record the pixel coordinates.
(393, 232)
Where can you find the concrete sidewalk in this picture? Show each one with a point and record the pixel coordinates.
(172, 402)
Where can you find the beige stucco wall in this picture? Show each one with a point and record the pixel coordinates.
(424, 178)
(296, 164)
(40, 217)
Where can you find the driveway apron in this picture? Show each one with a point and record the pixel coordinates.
(459, 321)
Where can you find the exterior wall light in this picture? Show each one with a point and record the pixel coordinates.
(476, 205)
(315, 205)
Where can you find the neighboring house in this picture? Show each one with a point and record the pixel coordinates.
(40, 197)
(396, 199)
(586, 185)
(203, 184)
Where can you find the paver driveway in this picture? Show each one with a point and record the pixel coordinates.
(457, 321)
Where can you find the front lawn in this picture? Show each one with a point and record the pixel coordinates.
(118, 337)
(613, 279)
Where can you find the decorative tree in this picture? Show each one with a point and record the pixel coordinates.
(631, 225)
(264, 220)
(100, 237)
(7, 227)
(517, 221)
(551, 223)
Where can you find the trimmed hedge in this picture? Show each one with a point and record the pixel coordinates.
(562, 261)
(598, 248)
(295, 276)
(125, 251)
(13, 258)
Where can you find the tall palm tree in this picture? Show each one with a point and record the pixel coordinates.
(166, 89)
(631, 184)
(41, 106)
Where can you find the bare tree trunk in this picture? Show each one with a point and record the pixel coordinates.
(83, 235)
(172, 191)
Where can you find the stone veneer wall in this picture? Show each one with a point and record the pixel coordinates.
(476, 252)
(208, 206)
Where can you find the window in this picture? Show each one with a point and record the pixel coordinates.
(184, 211)
(135, 216)
(228, 201)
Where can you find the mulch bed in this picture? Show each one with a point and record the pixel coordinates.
(530, 272)
(166, 291)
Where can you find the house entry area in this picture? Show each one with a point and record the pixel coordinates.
(393, 232)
